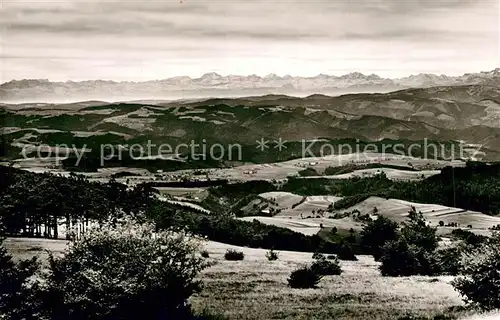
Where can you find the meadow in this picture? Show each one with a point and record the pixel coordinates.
(256, 288)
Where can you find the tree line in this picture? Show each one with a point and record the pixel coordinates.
(36, 205)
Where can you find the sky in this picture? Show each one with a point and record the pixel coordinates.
(147, 40)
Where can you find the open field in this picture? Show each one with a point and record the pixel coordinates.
(393, 174)
(283, 170)
(308, 226)
(267, 171)
(26, 248)
(256, 288)
(191, 194)
(397, 210)
(294, 205)
(394, 209)
(185, 204)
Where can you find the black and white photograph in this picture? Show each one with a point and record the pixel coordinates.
(249, 160)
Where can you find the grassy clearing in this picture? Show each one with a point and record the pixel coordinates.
(256, 288)
(194, 194)
(26, 248)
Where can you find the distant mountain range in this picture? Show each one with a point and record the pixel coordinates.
(213, 84)
(470, 114)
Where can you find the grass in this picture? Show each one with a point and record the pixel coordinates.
(190, 193)
(256, 288)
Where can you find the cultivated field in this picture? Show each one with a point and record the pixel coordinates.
(283, 170)
(191, 194)
(296, 213)
(268, 171)
(393, 174)
(397, 210)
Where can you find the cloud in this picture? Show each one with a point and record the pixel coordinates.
(149, 37)
(285, 20)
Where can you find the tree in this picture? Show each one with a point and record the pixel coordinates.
(376, 233)
(345, 252)
(399, 258)
(334, 230)
(123, 272)
(413, 251)
(15, 296)
(481, 283)
(272, 255)
(417, 232)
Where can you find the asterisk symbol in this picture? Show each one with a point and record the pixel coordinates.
(262, 144)
(280, 144)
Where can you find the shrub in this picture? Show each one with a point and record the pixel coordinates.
(481, 285)
(272, 255)
(318, 255)
(351, 237)
(469, 237)
(327, 267)
(441, 223)
(376, 233)
(399, 258)
(345, 253)
(16, 301)
(308, 172)
(206, 314)
(349, 201)
(205, 254)
(447, 260)
(417, 232)
(234, 255)
(123, 272)
(236, 232)
(304, 278)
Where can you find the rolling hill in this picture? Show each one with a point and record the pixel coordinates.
(455, 118)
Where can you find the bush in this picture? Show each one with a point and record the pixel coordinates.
(206, 314)
(417, 232)
(376, 233)
(349, 201)
(447, 260)
(205, 254)
(233, 255)
(225, 229)
(304, 278)
(469, 237)
(16, 300)
(481, 285)
(399, 258)
(123, 272)
(272, 255)
(345, 253)
(327, 267)
(318, 255)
